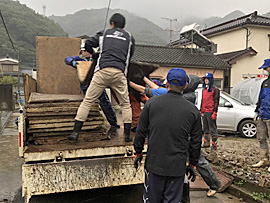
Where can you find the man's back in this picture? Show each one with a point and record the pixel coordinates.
(171, 119)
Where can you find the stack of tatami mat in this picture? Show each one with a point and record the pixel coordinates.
(51, 118)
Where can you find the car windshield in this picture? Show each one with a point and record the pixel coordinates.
(234, 99)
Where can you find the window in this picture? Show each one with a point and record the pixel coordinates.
(7, 68)
(10, 68)
(222, 102)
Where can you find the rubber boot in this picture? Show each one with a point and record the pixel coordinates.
(76, 131)
(127, 127)
(264, 159)
(113, 131)
(206, 141)
(214, 142)
(185, 196)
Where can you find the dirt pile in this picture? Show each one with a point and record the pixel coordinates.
(236, 155)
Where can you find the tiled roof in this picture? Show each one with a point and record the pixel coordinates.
(231, 57)
(184, 57)
(252, 18)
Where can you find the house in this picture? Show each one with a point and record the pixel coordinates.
(193, 61)
(244, 43)
(9, 66)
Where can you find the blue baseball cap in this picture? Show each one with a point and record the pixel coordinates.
(208, 75)
(177, 74)
(265, 64)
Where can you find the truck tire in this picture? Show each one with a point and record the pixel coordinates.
(248, 129)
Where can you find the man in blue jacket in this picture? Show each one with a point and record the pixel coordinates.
(105, 103)
(262, 117)
(116, 48)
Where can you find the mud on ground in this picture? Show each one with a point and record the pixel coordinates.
(236, 156)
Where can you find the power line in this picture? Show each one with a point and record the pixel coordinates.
(107, 14)
(7, 31)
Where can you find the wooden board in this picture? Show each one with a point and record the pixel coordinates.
(92, 127)
(53, 75)
(56, 120)
(43, 98)
(91, 113)
(30, 85)
(62, 124)
(58, 109)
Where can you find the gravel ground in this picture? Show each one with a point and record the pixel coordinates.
(236, 155)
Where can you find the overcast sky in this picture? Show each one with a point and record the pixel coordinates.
(153, 10)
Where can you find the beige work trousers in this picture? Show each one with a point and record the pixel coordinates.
(106, 77)
(263, 133)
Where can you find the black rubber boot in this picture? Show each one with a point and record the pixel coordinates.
(185, 196)
(214, 142)
(206, 141)
(113, 131)
(127, 127)
(76, 131)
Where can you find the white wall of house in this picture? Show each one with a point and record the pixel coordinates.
(235, 40)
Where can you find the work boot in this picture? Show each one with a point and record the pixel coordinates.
(214, 142)
(113, 131)
(76, 130)
(185, 196)
(211, 193)
(206, 141)
(264, 159)
(127, 127)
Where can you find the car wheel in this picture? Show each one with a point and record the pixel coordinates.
(248, 129)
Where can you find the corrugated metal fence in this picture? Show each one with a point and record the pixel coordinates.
(6, 98)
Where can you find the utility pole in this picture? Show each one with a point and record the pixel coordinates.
(44, 10)
(171, 30)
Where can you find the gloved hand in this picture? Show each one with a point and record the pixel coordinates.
(138, 158)
(191, 171)
(139, 74)
(256, 117)
(214, 115)
(74, 64)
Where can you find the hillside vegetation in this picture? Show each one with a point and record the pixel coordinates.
(23, 25)
(88, 22)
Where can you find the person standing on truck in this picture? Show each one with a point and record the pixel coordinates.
(262, 117)
(116, 48)
(209, 109)
(104, 100)
(168, 121)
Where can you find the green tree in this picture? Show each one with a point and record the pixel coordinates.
(9, 80)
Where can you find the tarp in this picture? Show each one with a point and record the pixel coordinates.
(248, 90)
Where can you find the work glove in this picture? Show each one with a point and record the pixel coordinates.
(191, 171)
(139, 74)
(214, 115)
(256, 117)
(74, 64)
(138, 158)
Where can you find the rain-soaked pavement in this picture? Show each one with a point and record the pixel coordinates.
(11, 181)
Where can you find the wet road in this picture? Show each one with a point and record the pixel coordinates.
(10, 181)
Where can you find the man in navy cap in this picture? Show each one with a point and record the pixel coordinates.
(168, 121)
(262, 117)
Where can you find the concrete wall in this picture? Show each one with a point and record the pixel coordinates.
(53, 76)
(235, 40)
